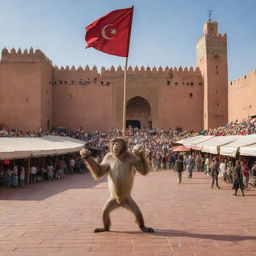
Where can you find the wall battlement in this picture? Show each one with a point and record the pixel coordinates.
(224, 36)
(90, 76)
(30, 55)
(241, 81)
(131, 70)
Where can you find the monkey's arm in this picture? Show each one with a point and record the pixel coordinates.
(96, 170)
(140, 163)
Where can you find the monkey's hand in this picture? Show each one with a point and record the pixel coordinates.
(137, 150)
(85, 153)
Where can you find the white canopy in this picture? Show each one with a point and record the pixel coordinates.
(213, 146)
(232, 149)
(14, 148)
(248, 150)
(194, 142)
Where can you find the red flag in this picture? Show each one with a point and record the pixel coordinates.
(111, 33)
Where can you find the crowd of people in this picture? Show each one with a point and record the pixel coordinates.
(233, 171)
(244, 127)
(157, 144)
(21, 172)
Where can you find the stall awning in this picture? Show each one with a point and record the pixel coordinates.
(193, 143)
(213, 146)
(248, 150)
(16, 148)
(233, 148)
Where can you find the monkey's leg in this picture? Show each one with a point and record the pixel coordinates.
(110, 205)
(133, 207)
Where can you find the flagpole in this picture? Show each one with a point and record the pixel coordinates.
(124, 102)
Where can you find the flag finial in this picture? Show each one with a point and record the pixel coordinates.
(210, 15)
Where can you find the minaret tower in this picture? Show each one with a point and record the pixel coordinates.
(211, 52)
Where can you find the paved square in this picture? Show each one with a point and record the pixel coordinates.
(57, 218)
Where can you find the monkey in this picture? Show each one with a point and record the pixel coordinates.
(120, 165)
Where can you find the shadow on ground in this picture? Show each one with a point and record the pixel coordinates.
(176, 233)
(45, 189)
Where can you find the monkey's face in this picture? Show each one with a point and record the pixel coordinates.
(117, 148)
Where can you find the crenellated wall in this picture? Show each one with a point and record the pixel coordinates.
(242, 97)
(77, 90)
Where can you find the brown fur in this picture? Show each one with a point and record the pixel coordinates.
(119, 164)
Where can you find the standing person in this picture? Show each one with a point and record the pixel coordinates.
(254, 169)
(179, 167)
(246, 173)
(230, 171)
(72, 164)
(215, 172)
(202, 164)
(206, 165)
(222, 168)
(33, 172)
(9, 174)
(238, 178)
(50, 171)
(190, 165)
(172, 161)
(22, 176)
(198, 163)
(15, 179)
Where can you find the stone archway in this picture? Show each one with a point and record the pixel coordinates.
(138, 113)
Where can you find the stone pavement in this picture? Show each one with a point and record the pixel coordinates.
(57, 218)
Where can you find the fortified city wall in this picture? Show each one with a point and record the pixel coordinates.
(85, 94)
(242, 97)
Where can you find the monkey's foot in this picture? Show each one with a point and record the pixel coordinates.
(97, 230)
(149, 230)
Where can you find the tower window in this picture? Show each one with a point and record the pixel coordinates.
(244, 77)
(218, 104)
(168, 82)
(191, 95)
(200, 83)
(176, 83)
(191, 83)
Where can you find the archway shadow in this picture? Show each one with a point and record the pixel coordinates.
(44, 189)
(177, 233)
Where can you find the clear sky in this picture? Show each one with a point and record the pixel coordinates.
(164, 32)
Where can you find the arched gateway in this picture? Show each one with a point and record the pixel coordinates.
(138, 113)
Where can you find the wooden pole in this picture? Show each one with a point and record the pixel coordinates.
(124, 103)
